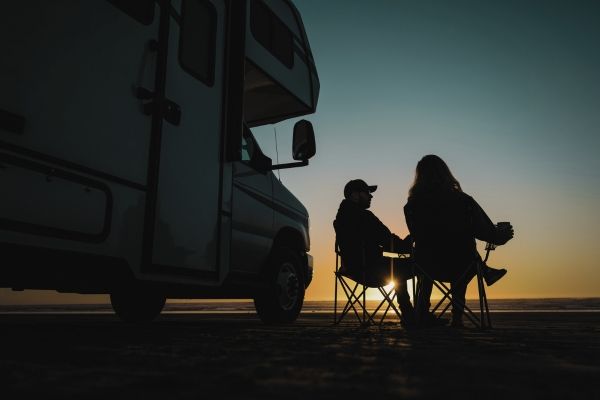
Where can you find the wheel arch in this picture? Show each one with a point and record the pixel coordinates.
(293, 239)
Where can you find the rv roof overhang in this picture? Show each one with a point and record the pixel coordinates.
(267, 102)
(273, 91)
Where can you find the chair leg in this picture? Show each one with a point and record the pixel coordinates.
(416, 294)
(374, 313)
(486, 320)
(364, 296)
(354, 298)
(487, 309)
(366, 315)
(389, 298)
(335, 298)
(350, 293)
(446, 307)
(447, 294)
(482, 321)
(487, 312)
(414, 288)
(380, 304)
(481, 295)
(385, 312)
(439, 304)
(456, 303)
(347, 305)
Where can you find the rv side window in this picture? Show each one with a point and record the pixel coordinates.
(140, 10)
(247, 149)
(197, 40)
(272, 33)
(248, 145)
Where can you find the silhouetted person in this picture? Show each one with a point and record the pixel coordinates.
(362, 238)
(444, 223)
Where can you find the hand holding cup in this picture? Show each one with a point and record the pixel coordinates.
(504, 231)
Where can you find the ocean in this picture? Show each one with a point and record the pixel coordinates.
(247, 307)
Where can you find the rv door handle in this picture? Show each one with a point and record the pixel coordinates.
(172, 112)
(143, 93)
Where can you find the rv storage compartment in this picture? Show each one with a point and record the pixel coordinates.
(41, 200)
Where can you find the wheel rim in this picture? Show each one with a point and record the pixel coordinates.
(288, 286)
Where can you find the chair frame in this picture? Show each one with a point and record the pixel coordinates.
(356, 296)
(483, 321)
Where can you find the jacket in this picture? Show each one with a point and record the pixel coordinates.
(444, 226)
(362, 237)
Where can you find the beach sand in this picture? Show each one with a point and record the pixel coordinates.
(185, 356)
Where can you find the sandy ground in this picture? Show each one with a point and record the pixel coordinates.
(526, 355)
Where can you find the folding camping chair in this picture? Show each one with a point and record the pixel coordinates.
(483, 321)
(355, 290)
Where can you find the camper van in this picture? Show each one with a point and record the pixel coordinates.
(127, 160)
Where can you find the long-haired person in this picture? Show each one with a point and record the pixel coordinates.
(444, 223)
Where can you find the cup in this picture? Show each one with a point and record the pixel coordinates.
(504, 227)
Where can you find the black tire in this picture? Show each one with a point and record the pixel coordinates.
(137, 304)
(282, 301)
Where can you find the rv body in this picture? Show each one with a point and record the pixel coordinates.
(127, 164)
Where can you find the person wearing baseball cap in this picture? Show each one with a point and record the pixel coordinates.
(362, 239)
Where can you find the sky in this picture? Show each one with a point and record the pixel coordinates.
(506, 92)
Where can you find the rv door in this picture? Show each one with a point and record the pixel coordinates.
(187, 200)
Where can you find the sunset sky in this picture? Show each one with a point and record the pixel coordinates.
(506, 92)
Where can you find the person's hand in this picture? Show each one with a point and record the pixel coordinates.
(504, 232)
(403, 246)
(407, 244)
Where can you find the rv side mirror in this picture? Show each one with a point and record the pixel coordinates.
(304, 145)
(304, 141)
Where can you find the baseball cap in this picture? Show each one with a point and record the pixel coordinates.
(358, 185)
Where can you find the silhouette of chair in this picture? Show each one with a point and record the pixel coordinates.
(483, 321)
(354, 287)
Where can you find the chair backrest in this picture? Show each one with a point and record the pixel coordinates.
(341, 237)
(337, 246)
(355, 271)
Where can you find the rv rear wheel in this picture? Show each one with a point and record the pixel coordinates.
(137, 304)
(282, 301)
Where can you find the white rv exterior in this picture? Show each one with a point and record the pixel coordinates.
(127, 165)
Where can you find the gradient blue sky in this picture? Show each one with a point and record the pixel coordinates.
(507, 92)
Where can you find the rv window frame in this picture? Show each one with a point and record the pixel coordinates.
(144, 20)
(213, 42)
(267, 46)
(258, 160)
(250, 149)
